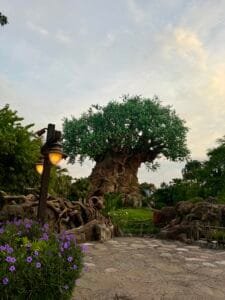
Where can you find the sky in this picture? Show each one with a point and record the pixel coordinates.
(59, 57)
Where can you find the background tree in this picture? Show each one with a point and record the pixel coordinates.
(121, 136)
(18, 153)
(177, 190)
(60, 182)
(193, 170)
(214, 170)
(79, 189)
(3, 19)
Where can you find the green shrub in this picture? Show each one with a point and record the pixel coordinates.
(37, 264)
(218, 235)
(112, 201)
(196, 200)
(135, 221)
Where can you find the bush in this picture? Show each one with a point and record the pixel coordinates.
(113, 201)
(218, 235)
(37, 264)
(135, 221)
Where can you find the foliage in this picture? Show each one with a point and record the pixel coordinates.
(218, 235)
(79, 189)
(37, 264)
(214, 170)
(146, 191)
(112, 201)
(135, 125)
(200, 179)
(3, 19)
(18, 154)
(192, 170)
(175, 191)
(60, 182)
(136, 221)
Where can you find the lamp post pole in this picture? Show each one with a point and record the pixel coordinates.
(42, 206)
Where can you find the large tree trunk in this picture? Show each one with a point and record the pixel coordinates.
(117, 173)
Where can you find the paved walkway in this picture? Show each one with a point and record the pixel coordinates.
(145, 269)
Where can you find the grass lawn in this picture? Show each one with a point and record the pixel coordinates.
(136, 221)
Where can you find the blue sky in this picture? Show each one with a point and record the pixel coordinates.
(59, 57)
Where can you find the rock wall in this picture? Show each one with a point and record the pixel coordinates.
(187, 221)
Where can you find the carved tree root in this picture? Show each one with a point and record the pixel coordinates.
(61, 213)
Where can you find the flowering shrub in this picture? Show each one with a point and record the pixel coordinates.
(37, 264)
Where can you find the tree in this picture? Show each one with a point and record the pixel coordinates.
(192, 170)
(18, 153)
(121, 136)
(60, 182)
(214, 170)
(79, 189)
(3, 19)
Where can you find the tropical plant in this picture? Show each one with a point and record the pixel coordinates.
(18, 153)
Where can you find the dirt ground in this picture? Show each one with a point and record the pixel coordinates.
(146, 268)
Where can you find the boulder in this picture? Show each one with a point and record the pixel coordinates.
(184, 207)
(164, 216)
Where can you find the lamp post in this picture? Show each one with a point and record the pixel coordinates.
(51, 155)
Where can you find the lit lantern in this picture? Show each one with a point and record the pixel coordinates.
(55, 154)
(39, 166)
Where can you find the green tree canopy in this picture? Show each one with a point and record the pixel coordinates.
(19, 152)
(3, 19)
(214, 170)
(60, 182)
(192, 170)
(135, 125)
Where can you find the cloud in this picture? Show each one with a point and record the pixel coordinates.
(201, 81)
(37, 28)
(63, 37)
(185, 44)
(137, 13)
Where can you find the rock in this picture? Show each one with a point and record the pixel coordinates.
(166, 255)
(164, 216)
(184, 207)
(221, 262)
(102, 232)
(182, 249)
(207, 264)
(174, 232)
(110, 270)
(85, 232)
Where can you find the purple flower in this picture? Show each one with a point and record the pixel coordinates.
(74, 267)
(46, 227)
(66, 245)
(9, 249)
(44, 237)
(69, 259)
(66, 287)
(12, 268)
(29, 259)
(17, 222)
(10, 259)
(1, 230)
(38, 265)
(84, 248)
(28, 225)
(5, 280)
(36, 253)
(2, 248)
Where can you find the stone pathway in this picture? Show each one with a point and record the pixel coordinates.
(146, 268)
